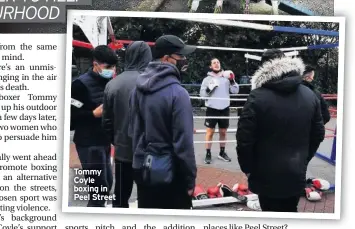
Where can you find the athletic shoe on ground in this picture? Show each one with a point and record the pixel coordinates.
(224, 157)
(208, 158)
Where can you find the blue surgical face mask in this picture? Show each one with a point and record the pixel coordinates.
(107, 73)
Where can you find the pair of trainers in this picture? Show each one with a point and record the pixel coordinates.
(222, 155)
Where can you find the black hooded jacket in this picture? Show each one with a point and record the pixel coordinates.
(166, 122)
(323, 104)
(280, 129)
(115, 118)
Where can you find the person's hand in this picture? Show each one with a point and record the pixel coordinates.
(212, 85)
(98, 111)
(190, 192)
(229, 75)
(194, 131)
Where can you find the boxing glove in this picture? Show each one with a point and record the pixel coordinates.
(225, 190)
(319, 184)
(199, 193)
(312, 194)
(213, 192)
(213, 84)
(229, 75)
(241, 189)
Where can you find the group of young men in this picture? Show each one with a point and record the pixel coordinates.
(146, 114)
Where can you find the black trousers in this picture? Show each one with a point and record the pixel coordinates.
(123, 184)
(97, 158)
(172, 196)
(279, 204)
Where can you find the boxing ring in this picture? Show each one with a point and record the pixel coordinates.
(331, 131)
(329, 157)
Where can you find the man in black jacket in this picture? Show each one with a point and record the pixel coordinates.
(115, 118)
(161, 121)
(308, 77)
(279, 132)
(91, 143)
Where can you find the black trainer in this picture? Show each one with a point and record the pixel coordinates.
(224, 157)
(208, 158)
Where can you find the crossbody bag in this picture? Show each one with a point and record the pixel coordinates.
(158, 164)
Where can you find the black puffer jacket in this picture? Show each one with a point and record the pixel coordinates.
(280, 129)
(115, 117)
(86, 95)
(323, 104)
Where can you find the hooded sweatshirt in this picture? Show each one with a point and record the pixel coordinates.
(279, 130)
(224, 89)
(115, 117)
(166, 111)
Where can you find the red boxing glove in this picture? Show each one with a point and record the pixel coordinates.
(199, 193)
(241, 189)
(213, 192)
(229, 75)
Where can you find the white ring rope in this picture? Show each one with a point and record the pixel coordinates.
(195, 85)
(230, 95)
(216, 117)
(216, 131)
(231, 49)
(240, 24)
(252, 50)
(207, 98)
(236, 108)
(231, 108)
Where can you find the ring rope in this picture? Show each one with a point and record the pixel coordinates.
(270, 28)
(234, 130)
(207, 98)
(231, 108)
(216, 131)
(230, 95)
(216, 117)
(217, 98)
(236, 108)
(235, 141)
(199, 85)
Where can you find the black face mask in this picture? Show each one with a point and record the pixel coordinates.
(182, 66)
(218, 71)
